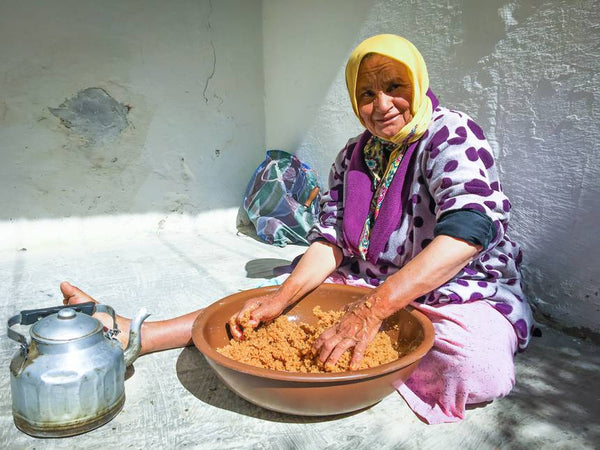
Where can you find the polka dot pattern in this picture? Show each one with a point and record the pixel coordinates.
(485, 157)
(461, 136)
(326, 216)
(478, 187)
(336, 193)
(475, 207)
(472, 154)
(448, 204)
(439, 137)
(476, 129)
(476, 296)
(451, 165)
(504, 308)
(521, 327)
(454, 298)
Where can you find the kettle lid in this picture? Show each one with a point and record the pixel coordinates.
(66, 325)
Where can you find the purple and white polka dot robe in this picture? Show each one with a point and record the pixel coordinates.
(453, 169)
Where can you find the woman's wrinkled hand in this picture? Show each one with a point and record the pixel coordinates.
(254, 312)
(357, 328)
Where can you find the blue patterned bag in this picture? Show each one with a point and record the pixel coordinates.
(282, 199)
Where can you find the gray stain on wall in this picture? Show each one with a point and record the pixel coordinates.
(94, 115)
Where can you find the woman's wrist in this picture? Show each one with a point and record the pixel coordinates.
(381, 306)
(289, 292)
(316, 264)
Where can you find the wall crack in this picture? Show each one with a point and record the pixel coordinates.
(214, 54)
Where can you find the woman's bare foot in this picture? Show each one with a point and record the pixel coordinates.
(73, 296)
(156, 336)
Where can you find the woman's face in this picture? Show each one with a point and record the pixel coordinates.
(384, 95)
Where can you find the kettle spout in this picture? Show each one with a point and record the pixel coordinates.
(135, 337)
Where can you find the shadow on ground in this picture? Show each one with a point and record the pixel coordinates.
(266, 267)
(557, 390)
(200, 380)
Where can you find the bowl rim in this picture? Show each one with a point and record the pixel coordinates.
(384, 369)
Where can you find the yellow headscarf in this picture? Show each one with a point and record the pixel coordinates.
(405, 52)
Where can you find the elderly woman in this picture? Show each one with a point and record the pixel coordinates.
(415, 210)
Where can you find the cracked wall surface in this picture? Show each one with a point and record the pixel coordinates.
(189, 74)
(526, 70)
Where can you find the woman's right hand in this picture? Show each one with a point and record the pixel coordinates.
(316, 264)
(256, 311)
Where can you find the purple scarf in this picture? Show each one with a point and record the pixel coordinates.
(359, 193)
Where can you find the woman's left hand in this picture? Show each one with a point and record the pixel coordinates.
(357, 328)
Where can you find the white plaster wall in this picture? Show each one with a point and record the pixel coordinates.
(527, 70)
(190, 70)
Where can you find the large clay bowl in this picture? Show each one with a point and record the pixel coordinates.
(310, 394)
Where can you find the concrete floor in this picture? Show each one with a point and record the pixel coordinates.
(171, 264)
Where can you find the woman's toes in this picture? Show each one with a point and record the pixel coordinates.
(73, 295)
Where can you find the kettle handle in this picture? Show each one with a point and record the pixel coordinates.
(30, 316)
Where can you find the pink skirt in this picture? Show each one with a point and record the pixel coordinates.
(471, 362)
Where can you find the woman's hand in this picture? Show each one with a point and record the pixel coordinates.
(316, 264)
(441, 260)
(255, 311)
(357, 328)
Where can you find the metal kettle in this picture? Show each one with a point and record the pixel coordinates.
(69, 376)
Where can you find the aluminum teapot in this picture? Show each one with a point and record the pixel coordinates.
(68, 377)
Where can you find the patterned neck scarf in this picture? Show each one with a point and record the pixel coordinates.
(382, 158)
(377, 153)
